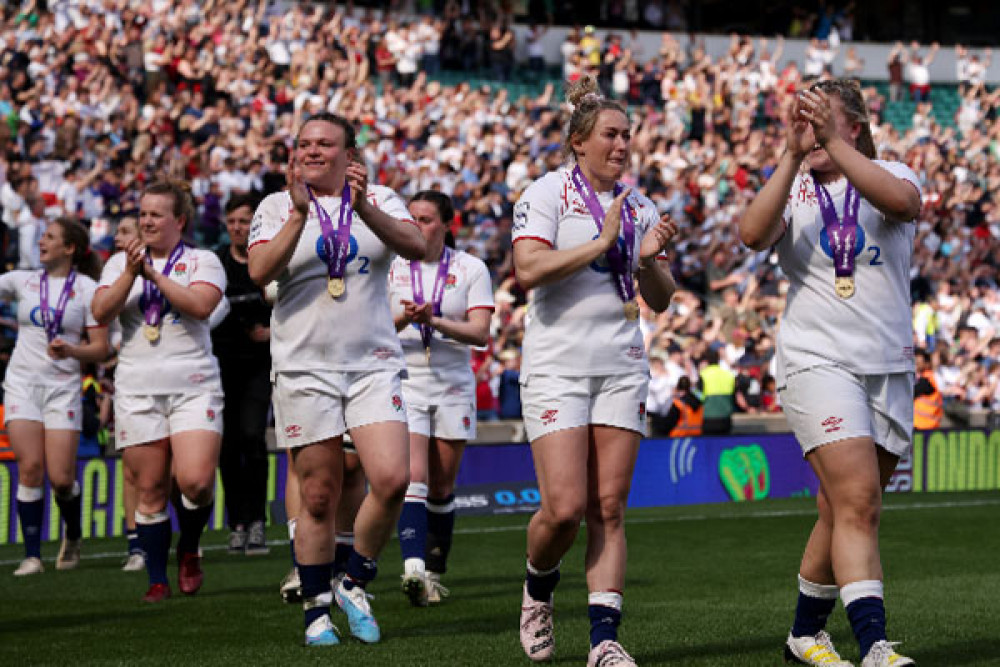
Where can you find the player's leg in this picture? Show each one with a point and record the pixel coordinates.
(60, 464)
(27, 439)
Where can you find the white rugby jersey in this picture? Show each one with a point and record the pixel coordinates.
(869, 333)
(181, 360)
(310, 330)
(449, 378)
(577, 326)
(30, 364)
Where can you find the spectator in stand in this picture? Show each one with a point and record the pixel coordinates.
(918, 73)
(686, 415)
(928, 404)
(895, 63)
(717, 386)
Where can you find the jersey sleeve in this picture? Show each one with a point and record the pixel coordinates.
(536, 214)
(113, 269)
(8, 285)
(269, 218)
(480, 287)
(208, 269)
(87, 289)
(902, 172)
(390, 203)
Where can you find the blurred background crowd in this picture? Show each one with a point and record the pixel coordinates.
(98, 97)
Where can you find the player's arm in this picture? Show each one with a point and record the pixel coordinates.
(472, 331)
(400, 236)
(109, 300)
(266, 261)
(537, 263)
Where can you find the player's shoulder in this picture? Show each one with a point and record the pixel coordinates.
(274, 203)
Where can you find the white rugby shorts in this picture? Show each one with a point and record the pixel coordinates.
(142, 418)
(310, 406)
(56, 406)
(448, 422)
(552, 403)
(827, 403)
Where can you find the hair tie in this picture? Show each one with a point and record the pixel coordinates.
(592, 97)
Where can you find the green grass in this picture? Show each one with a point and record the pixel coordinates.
(707, 585)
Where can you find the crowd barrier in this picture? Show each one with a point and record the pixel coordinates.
(497, 479)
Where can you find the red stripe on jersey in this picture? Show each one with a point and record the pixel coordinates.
(412, 222)
(256, 243)
(97, 326)
(534, 238)
(489, 308)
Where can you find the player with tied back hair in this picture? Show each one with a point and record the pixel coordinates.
(168, 395)
(43, 404)
(441, 305)
(336, 360)
(840, 222)
(580, 237)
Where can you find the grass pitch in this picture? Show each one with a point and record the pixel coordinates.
(707, 585)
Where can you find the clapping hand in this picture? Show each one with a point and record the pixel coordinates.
(656, 239)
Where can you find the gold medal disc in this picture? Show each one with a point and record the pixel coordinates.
(336, 287)
(631, 310)
(151, 333)
(844, 286)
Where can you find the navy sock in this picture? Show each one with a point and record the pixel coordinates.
(360, 570)
(133, 542)
(541, 584)
(604, 622)
(440, 526)
(342, 553)
(70, 510)
(192, 520)
(154, 540)
(29, 513)
(811, 614)
(315, 581)
(867, 616)
(412, 526)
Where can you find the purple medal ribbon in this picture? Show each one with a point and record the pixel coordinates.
(437, 294)
(53, 324)
(841, 232)
(619, 262)
(336, 242)
(153, 296)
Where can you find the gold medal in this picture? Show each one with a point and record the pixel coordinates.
(152, 333)
(336, 287)
(427, 354)
(631, 310)
(844, 286)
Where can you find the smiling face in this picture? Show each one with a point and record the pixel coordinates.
(52, 247)
(605, 152)
(321, 153)
(238, 226)
(159, 227)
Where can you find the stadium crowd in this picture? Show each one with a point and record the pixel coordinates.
(100, 97)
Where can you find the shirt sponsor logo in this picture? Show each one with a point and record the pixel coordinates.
(383, 353)
(450, 281)
(550, 417)
(293, 431)
(634, 352)
(521, 210)
(832, 424)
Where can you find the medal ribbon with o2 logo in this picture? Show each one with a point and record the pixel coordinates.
(336, 242)
(53, 324)
(619, 259)
(842, 234)
(153, 298)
